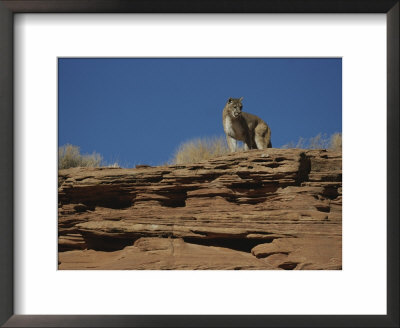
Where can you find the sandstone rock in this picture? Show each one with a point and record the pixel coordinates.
(260, 209)
(162, 253)
(303, 253)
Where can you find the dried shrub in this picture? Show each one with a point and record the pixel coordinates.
(196, 150)
(70, 156)
(320, 141)
(336, 141)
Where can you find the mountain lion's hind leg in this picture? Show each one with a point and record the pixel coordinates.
(262, 136)
(249, 143)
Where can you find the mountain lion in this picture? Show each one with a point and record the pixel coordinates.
(246, 127)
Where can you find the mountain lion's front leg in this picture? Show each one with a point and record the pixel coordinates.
(232, 143)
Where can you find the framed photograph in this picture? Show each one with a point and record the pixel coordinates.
(182, 164)
(181, 199)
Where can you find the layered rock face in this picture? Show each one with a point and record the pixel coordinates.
(260, 209)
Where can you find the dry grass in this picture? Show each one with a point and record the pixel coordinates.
(320, 141)
(114, 165)
(200, 149)
(70, 156)
(336, 142)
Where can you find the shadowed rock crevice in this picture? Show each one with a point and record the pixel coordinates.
(288, 266)
(237, 244)
(174, 198)
(265, 255)
(304, 168)
(106, 243)
(323, 208)
(331, 191)
(111, 196)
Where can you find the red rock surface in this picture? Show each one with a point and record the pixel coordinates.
(260, 209)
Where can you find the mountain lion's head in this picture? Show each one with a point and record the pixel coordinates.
(234, 106)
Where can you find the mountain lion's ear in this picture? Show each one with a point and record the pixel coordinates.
(241, 98)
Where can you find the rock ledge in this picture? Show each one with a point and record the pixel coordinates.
(260, 209)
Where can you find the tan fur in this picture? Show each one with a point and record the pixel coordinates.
(246, 127)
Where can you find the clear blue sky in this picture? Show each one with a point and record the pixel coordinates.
(138, 111)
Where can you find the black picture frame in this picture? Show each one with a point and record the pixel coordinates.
(7, 10)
